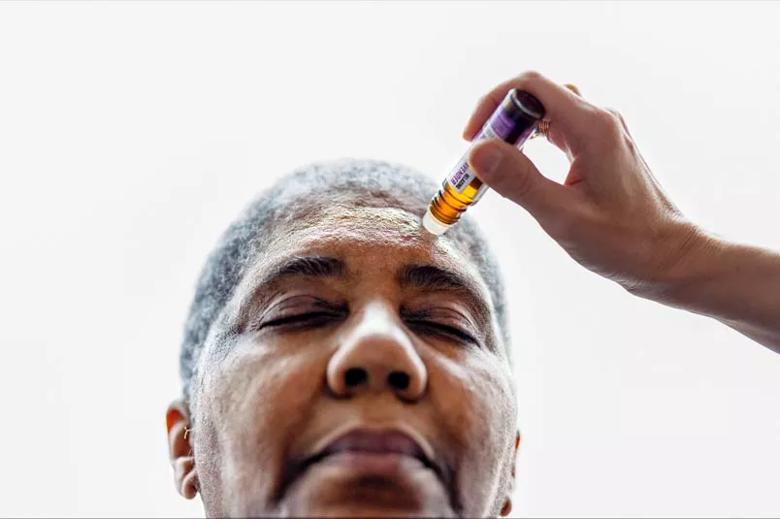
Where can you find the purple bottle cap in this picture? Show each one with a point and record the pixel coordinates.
(527, 103)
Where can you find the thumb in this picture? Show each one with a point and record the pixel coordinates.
(511, 174)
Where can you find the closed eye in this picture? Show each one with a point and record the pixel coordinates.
(307, 319)
(321, 318)
(442, 328)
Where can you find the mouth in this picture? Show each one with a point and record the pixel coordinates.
(379, 452)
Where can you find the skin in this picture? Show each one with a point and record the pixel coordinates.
(265, 395)
(612, 217)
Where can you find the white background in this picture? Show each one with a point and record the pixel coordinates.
(132, 133)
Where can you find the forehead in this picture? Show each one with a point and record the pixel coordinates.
(374, 243)
(368, 238)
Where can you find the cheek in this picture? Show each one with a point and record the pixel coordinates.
(475, 400)
(254, 400)
(268, 379)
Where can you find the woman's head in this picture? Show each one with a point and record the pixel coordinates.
(339, 360)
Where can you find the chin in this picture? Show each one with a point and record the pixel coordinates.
(339, 490)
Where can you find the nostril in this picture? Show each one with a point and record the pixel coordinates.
(398, 380)
(355, 376)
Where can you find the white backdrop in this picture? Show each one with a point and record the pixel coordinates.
(132, 133)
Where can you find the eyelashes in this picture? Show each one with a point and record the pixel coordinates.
(320, 312)
(445, 329)
(311, 318)
(324, 318)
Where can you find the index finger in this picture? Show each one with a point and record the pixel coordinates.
(569, 111)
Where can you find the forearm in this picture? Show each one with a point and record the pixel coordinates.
(737, 284)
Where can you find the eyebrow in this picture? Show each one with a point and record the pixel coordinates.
(307, 266)
(295, 266)
(428, 278)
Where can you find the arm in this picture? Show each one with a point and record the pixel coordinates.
(737, 284)
(612, 216)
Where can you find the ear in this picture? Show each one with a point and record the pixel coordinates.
(506, 509)
(177, 421)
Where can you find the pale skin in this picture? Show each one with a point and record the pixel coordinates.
(271, 394)
(612, 217)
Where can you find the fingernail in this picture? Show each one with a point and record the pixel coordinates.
(486, 161)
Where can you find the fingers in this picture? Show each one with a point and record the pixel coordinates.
(568, 112)
(510, 173)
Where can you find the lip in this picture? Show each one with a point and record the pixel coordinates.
(371, 448)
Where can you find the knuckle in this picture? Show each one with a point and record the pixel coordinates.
(530, 75)
(607, 122)
(606, 116)
(617, 115)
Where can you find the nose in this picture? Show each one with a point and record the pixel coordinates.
(376, 356)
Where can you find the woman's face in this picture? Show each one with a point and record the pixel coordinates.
(358, 371)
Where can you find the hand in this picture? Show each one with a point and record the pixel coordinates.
(610, 214)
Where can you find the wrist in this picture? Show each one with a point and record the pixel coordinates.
(689, 259)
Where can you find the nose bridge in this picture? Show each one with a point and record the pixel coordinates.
(377, 354)
(377, 319)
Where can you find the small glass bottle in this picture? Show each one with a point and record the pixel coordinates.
(514, 121)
